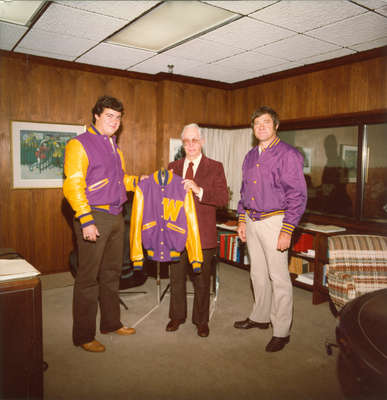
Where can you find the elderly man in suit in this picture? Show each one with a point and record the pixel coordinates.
(206, 179)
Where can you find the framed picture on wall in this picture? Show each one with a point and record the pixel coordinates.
(38, 153)
(349, 156)
(176, 149)
(307, 154)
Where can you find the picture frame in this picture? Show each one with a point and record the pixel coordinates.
(349, 157)
(176, 149)
(307, 154)
(38, 153)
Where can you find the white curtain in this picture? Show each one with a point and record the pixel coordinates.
(229, 146)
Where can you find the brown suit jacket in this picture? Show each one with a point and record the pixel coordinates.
(210, 176)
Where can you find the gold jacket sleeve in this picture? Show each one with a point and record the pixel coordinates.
(75, 169)
(130, 181)
(136, 253)
(193, 245)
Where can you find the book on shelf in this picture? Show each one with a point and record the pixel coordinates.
(298, 265)
(307, 278)
(321, 228)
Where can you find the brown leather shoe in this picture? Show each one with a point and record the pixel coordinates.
(248, 323)
(173, 325)
(123, 331)
(94, 346)
(277, 343)
(203, 330)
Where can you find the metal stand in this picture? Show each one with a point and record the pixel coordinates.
(160, 295)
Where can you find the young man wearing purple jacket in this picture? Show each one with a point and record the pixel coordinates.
(95, 186)
(273, 199)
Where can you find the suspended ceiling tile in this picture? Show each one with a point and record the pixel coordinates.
(382, 11)
(356, 30)
(42, 53)
(10, 34)
(371, 4)
(160, 62)
(328, 56)
(113, 56)
(203, 50)
(297, 47)
(218, 73)
(248, 33)
(373, 44)
(278, 68)
(82, 24)
(250, 61)
(242, 7)
(301, 16)
(127, 10)
(55, 43)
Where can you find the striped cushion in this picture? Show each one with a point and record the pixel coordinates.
(357, 265)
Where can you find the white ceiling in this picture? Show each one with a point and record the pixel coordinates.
(268, 37)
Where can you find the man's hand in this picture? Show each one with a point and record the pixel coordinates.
(242, 231)
(90, 233)
(191, 185)
(142, 177)
(283, 241)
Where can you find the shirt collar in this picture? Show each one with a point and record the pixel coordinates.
(273, 143)
(196, 161)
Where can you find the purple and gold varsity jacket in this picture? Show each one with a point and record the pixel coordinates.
(95, 176)
(273, 183)
(164, 221)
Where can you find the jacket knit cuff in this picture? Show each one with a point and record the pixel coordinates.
(287, 228)
(86, 219)
(242, 218)
(137, 265)
(196, 266)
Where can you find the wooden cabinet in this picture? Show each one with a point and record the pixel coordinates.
(21, 350)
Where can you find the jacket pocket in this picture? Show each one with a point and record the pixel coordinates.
(175, 228)
(148, 225)
(98, 185)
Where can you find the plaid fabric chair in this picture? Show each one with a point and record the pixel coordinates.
(357, 265)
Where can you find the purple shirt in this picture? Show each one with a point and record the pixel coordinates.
(273, 183)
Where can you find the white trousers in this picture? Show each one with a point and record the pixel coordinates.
(273, 291)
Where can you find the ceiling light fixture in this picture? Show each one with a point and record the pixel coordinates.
(170, 23)
(19, 12)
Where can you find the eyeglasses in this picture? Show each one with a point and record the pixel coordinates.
(187, 142)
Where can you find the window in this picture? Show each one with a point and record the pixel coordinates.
(375, 172)
(330, 167)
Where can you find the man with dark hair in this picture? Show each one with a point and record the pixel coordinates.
(206, 178)
(95, 186)
(273, 199)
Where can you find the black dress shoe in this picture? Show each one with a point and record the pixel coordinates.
(203, 330)
(277, 343)
(173, 325)
(248, 323)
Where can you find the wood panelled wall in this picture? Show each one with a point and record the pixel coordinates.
(355, 87)
(37, 222)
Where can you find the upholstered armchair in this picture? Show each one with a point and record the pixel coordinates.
(357, 265)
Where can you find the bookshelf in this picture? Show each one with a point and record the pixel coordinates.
(315, 254)
(231, 250)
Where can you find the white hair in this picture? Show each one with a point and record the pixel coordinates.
(192, 126)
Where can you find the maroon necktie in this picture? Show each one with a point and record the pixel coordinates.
(189, 173)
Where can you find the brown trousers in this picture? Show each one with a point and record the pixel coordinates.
(97, 278)
(201, 282)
